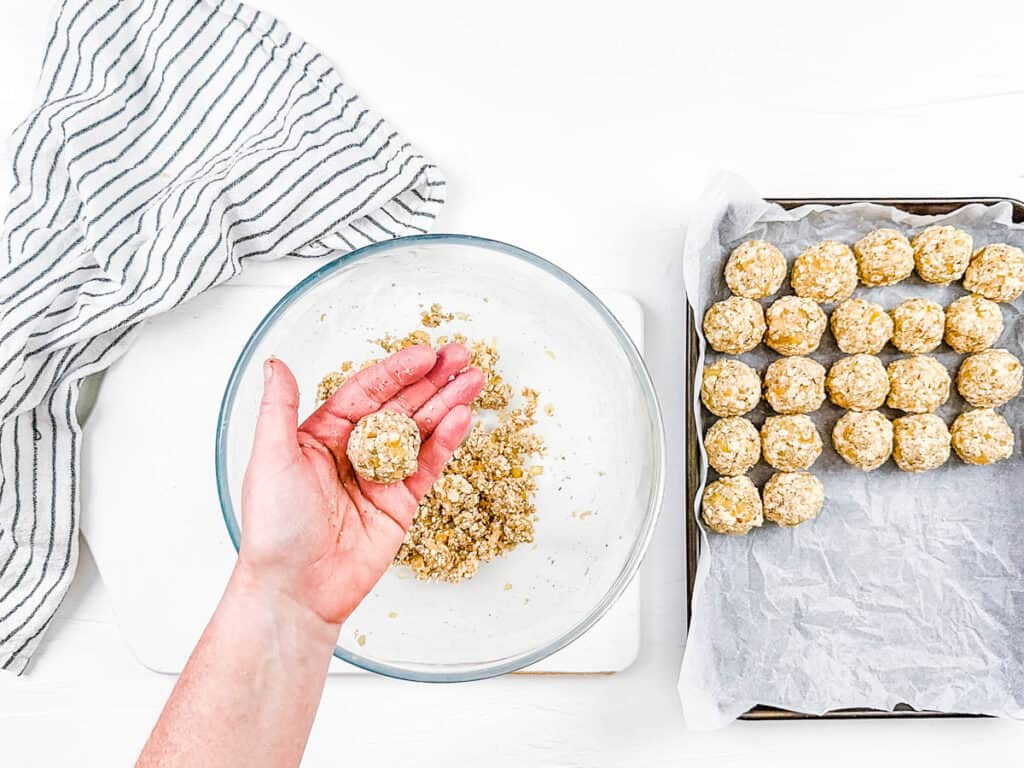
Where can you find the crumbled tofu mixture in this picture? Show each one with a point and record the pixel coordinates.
(434, 316)
(482, 506)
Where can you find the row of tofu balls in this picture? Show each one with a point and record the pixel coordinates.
(733, 505)
(915, 384)
(863, 437)
(829, 271)
(794, 326)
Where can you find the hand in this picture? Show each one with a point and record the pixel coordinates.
(312, 530)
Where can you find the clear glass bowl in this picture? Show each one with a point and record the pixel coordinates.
(603, 478)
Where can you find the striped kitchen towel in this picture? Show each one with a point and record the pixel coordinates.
(171, 142)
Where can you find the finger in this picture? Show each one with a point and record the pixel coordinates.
(438, 449)
(278, 414)
(462, 391)
(365, 392)
(451, 359)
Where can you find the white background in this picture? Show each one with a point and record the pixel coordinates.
(581, 131)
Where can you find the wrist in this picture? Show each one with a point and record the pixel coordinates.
(282, 610)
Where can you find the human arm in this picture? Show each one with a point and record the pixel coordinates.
(315, 539)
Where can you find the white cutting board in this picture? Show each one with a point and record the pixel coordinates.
(150, 511)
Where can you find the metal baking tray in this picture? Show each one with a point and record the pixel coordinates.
(917, 205)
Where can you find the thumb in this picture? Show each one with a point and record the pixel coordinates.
(278, 418)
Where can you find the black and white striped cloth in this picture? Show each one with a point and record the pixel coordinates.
(171, 142)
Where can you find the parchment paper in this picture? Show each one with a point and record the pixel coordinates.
(907, 588)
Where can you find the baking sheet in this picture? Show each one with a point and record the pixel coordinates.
(907, 589)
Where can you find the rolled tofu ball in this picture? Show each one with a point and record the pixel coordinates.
(917, 326)
(863, 440)
(794, 385)
(791, 498)
(861, 326)
(790, 443)
(755, 269)
(384, 447)
(795, 326)
(917, 384)
(941, 254)
(990, 378)
(920, 442)
(730, 388)
(732, 505)
(734, 326)
(825, 272)
(733, 446)
(996, 272)
(884, 257)
(858, 383)
(973, 323)
(981, 437)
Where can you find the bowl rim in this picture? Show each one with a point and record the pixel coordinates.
(636, 555)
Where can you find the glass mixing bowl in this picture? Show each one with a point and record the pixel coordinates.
(601, 489)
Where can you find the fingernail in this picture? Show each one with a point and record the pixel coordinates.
(268, 369)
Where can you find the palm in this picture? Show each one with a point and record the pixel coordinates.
(326, 534)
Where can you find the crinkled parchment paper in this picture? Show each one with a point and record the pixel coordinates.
(907, 588)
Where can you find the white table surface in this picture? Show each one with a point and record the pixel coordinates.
(581, 131)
